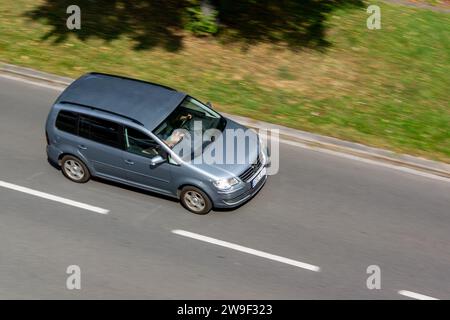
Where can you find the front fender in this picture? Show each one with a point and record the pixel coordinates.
(205, 187)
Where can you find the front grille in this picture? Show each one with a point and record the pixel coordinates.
(248, 173)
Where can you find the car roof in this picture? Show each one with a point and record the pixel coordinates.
(145, 102)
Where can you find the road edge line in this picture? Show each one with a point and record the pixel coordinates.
(52, 197)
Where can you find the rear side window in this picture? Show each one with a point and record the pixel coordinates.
(100, 130)
(67, 121)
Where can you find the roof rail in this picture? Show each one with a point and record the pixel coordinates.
(103, 110)
(132, 79)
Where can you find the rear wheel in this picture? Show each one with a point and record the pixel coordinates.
(74, 169)
(195, 200)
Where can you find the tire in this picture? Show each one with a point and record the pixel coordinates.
(74, 169)
(201, 206)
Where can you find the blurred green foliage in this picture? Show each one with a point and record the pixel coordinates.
(160, 22)
(201, 24)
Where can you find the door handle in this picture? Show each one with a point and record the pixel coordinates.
(82, 147)
(129, 162)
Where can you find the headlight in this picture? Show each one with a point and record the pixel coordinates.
(225, 184)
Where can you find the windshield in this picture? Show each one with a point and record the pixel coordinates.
(192, 117)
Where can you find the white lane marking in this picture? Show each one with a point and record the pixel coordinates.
(247, 250)
(292, 143)
(356, 158)
(48, 86)
(414, 295)
(53, 198)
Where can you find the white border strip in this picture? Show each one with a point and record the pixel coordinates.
(35, 83)
(369, 161)
(247, 250)
(53, 198)
(414, 295)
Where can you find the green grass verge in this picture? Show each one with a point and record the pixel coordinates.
(386, 88)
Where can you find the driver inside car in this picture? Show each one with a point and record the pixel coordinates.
(177, 134)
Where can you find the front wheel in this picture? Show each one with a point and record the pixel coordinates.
(195, 200)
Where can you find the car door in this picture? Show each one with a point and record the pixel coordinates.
(139, 149)
(101, 142)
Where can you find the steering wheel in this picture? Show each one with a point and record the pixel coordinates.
(187, 124)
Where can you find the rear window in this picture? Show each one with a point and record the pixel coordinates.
(67, 121)
(100, 130)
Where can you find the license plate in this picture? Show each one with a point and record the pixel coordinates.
(258, 177)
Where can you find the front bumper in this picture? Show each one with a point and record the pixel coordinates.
(238, 197)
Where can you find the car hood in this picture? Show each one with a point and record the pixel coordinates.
(231, 153)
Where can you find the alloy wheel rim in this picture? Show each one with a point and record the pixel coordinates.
(194, 201)
(74, 169)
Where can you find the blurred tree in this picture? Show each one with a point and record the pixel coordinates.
(202, 18)
(298, 23)
(150, 23)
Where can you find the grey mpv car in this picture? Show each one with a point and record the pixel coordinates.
(127, 131)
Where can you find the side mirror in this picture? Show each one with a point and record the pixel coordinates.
(156, 160)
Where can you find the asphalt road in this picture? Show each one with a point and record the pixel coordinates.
(339, 214)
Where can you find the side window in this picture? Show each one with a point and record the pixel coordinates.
(139, 143)
(67, 121)
(100, 130)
